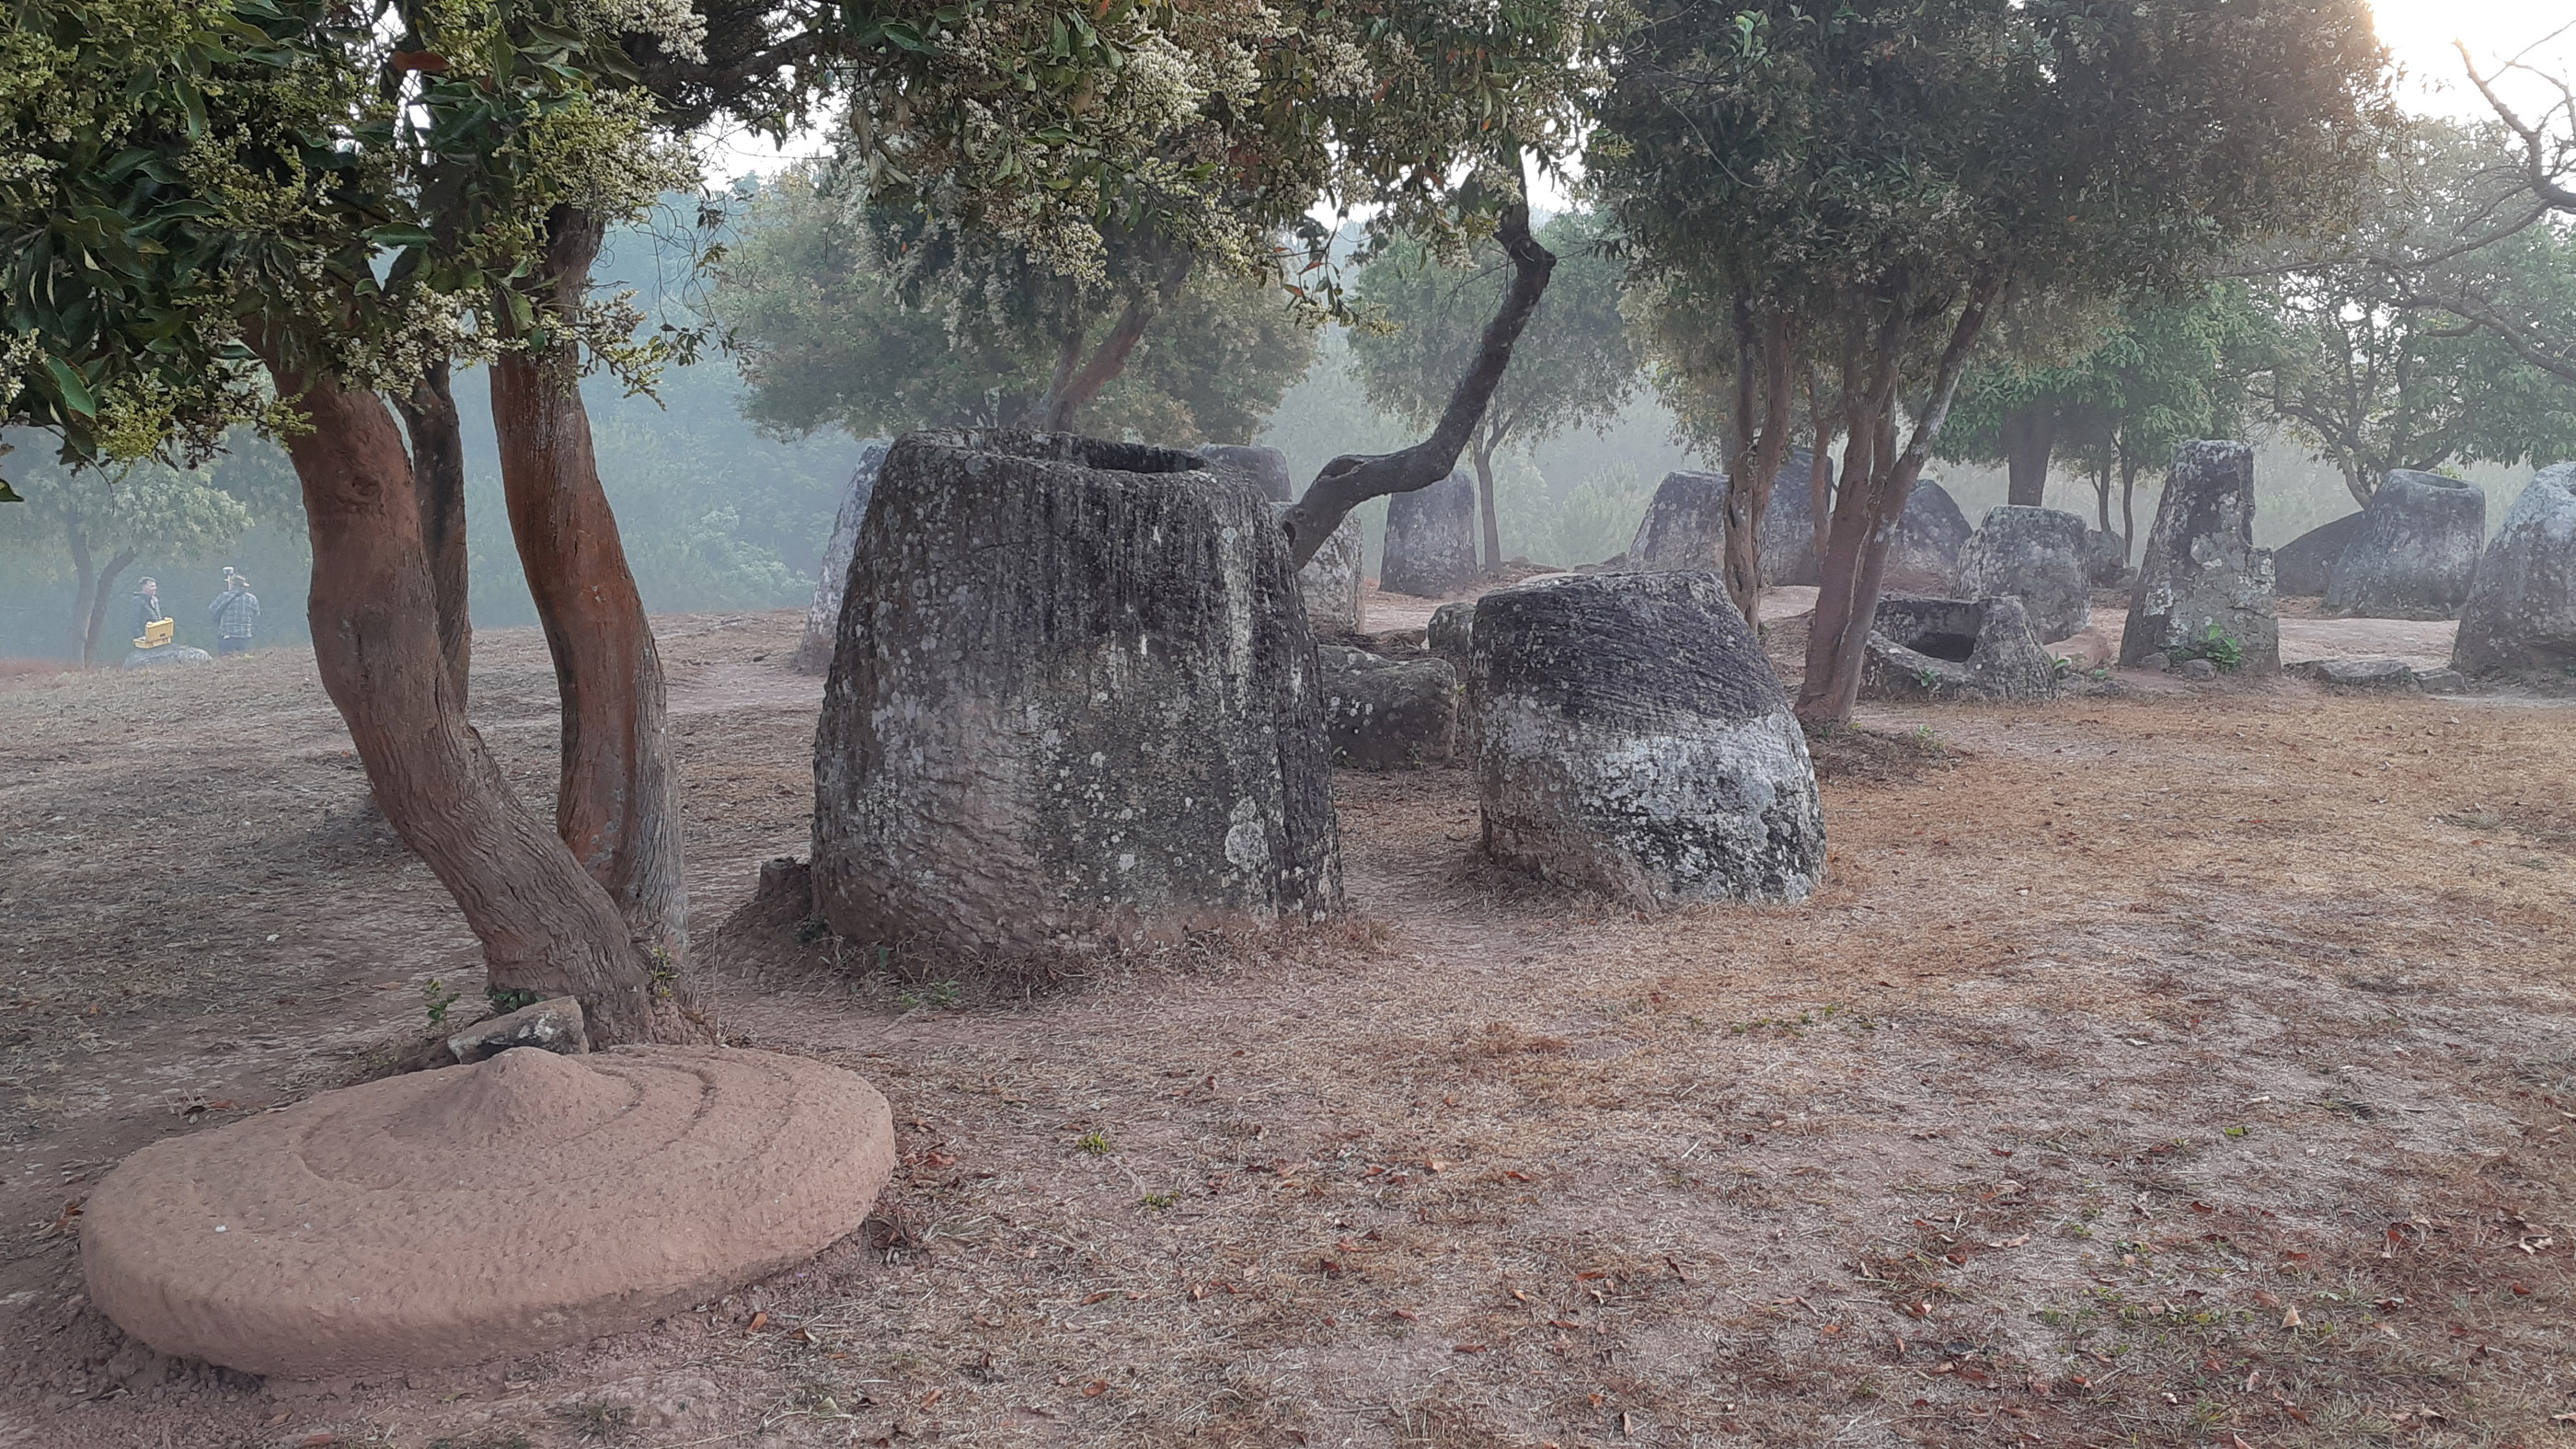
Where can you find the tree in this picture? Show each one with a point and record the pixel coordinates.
(2531, 311)
(108, 516)
(2163, 370)
(1575, 365)
(1882, 180)
(2364, 357)
(834, 329)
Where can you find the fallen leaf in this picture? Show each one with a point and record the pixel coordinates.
(934, 1396)
(759, 1321)
(2519, 1291)
(1094, 1389)
(2290, 1318)
(2267, 1299)
(276, 1419)
(1437, 1165)
(1103, 1293)
(939, 1159)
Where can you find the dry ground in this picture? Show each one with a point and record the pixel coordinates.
(2184, 1069)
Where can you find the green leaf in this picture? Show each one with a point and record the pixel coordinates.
(75, 388)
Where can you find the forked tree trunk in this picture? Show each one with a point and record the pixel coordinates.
(2030, 438)
(617, 805)
(1074, 388)
(1759, 440)
(1488, 440)
(438, 472)
(545, 926)
(1877, 479)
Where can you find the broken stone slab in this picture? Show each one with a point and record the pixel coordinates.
(1075, 706)
(1452, 625)
(510, 1207)
(823, 618)
(1266, 469)
(1388, 714)
(1955, 649)
(1684, 526)
(2299, 567)
(2198, 669)
(2521, 611)
(2441, 681)
(2036, 555)
(2204, 590)
(550, 1026)
(1629, 737)
(2106, 558)
(2368, 672)
(2416, 552)
(1431, 539)
(167, 654)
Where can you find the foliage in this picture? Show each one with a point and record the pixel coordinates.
(1575, 366)
(842, 322)
(2367, 357)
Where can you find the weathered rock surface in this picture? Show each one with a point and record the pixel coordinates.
(1924, 553)
(2036, 555)
(2361, 673)
(1964, 649)
(2416, 552)
(2202, 584)
(1629, 737)
(167, 654)
(1684, 526)
(1266, 469)
(1431, 539)
(814, 651)
(1452, 625)
(1330, 581)
(550, 1026)
(476, 1212)
(2299, 567)
(1072, 706)
(1388, 714)
(2106, 559)
(2521, 611)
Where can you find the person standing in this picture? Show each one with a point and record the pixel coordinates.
(235, 613)
(147, 606)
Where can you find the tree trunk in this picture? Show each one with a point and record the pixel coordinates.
(102, 598)
(1487, 441)
(1352, 479)
(2102, 493)
(84, 631)
(438, 472)
(1761, 438)
(2030, 436)
(617, 806)
(1854, 572)
(545, 926)
(2128, 508)
(1070, 394)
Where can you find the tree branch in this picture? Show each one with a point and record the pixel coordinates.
(1351, 480)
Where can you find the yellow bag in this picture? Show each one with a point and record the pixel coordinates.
(157, 633)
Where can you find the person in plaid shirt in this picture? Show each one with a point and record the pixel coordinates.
(235, 612)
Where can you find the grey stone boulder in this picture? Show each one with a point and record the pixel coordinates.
(1684, 526)
(814, 651)
(2106, 558)
(1266, 469)
(2036, 555)
(1924, 552)
(1629, 737)
(2416, 552)
(2299, 567)
(1955, 649)
(1452, 626)
(2204, 590)
(1073, 706)
(1330, 581)
(2521, 611)
(550, 1026)
(2369, 672)
(1431, 539)
(1388, 714)
(166, 655)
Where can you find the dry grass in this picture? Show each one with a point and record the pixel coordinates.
(2121, 1031)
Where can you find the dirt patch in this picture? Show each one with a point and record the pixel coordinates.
(2168, 1070)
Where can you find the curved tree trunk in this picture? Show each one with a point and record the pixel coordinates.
(102, 597)
(545, 926)
(1488, 439)
(438, 472)
(618, 803)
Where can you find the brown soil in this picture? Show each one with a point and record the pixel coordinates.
(2184, 1069)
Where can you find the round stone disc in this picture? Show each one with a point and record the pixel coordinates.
(453, 1216)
